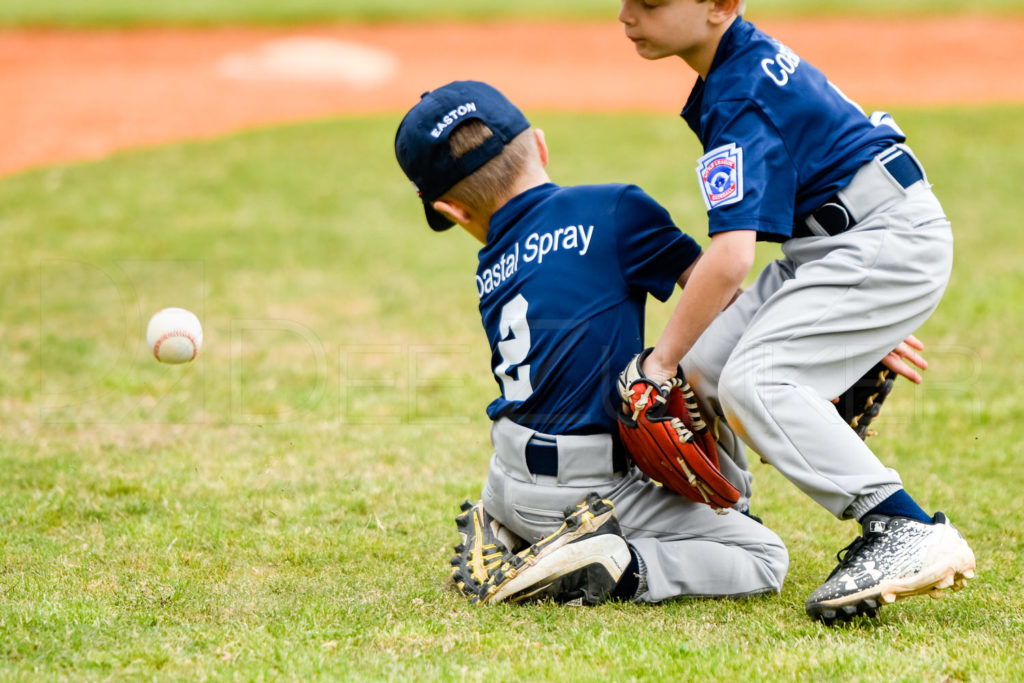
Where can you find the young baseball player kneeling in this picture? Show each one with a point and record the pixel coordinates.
(866, 255)
(562, 279)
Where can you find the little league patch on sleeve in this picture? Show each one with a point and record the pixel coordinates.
(721, 175)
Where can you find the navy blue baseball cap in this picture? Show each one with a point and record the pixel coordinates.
(422, 141)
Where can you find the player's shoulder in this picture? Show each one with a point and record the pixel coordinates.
(602, 198)
(594, 190)
(755, 66)
(611, 192)
(619, 207)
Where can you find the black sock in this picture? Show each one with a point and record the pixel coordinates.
(630, 580)
(902, 505)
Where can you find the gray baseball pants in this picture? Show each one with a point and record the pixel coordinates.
(685, 548)
(812, 324)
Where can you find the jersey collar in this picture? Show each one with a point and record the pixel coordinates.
(735, 35)
(514, 208)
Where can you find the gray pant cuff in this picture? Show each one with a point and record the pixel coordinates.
(641, 575)
(863, 504)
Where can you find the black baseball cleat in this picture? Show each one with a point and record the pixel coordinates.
(484, 543)
(897, 557)
(581, 563)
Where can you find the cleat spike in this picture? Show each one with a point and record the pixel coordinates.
(466, 505)
(827, 616)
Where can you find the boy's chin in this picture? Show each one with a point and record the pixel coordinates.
(646, 51)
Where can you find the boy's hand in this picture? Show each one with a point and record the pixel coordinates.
(907, 351)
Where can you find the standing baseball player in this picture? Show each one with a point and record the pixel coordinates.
(562, 280)
(866, 255)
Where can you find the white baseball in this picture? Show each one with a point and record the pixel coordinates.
(174, 335)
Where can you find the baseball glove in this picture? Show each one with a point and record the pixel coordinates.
(665, 434)
(860, 404)
(484, 542)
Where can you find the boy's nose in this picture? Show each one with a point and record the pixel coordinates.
(625, 15)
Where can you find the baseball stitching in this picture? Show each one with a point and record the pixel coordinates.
(175, 333)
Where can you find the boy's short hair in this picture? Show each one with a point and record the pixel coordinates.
(423, 140)
(482, 189)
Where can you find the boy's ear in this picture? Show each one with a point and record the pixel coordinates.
(724, 10)
(455, 210)
(461, 214)
(542, 146)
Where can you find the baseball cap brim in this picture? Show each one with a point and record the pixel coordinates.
(437, 221)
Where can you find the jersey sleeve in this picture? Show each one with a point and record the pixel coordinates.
(747, 176)
(653, 252)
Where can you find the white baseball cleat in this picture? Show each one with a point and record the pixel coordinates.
(897, 557)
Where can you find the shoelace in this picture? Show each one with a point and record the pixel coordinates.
(845, 555)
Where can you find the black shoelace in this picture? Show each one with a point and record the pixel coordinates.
(845, 555)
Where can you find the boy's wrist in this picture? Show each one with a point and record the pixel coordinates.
(657, 368)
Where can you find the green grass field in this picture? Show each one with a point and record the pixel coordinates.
(135, 12)
(283, 507)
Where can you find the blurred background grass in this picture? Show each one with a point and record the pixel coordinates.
(106, 13)
(283, 506)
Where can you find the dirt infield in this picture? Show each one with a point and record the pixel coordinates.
(71, 95)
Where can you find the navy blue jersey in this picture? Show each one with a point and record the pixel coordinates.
(779, 138)
(563, 282)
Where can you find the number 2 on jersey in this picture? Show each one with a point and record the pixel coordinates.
(515, 344)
